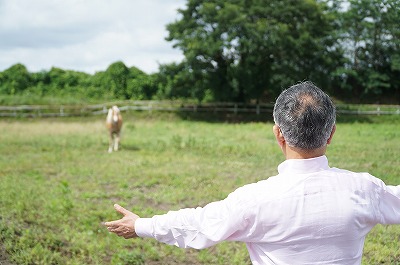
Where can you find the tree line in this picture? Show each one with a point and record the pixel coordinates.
(248, 51)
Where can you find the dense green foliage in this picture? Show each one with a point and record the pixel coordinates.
(58, 183)
(117, 82)
(370, 36)
(248, 50)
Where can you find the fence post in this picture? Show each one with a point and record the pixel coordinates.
(258, 109)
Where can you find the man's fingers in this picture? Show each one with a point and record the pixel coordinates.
(121, 209)
(111, 223)
(114, 226)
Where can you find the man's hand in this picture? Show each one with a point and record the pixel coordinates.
(125, 226)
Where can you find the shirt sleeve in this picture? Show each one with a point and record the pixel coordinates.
(196, 227)
(389, 205)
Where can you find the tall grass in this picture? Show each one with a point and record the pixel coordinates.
(58, 183)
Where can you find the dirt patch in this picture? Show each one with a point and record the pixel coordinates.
(4, 257)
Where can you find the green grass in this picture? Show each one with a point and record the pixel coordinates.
(58, 183)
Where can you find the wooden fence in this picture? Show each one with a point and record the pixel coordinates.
(150, 106)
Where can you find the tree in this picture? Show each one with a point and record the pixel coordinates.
(246, 49)
(371, 38)
(15, 79)
(140, 85)
(117, 75)
(173, 81)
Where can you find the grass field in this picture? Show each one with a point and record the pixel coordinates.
(58, 183)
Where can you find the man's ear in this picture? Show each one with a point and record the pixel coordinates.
(332, 133)
(278, 135)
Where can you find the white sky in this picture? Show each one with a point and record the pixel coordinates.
(87, 35)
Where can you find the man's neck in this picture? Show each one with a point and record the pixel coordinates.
(296, 153)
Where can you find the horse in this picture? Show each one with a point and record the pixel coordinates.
(114, 125)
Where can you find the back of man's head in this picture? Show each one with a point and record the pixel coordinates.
(305, 116)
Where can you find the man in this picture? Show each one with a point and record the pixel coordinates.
(308, 214)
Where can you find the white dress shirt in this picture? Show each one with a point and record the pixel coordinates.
(308, 214)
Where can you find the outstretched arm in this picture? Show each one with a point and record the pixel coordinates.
(197, 228)
(389, 205)
(124, 227)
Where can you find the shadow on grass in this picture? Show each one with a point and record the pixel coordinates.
(215, 117)
(221, 117)
(224, 117)
(345, 118)
(128, 147)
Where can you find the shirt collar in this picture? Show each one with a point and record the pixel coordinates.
(304, 166)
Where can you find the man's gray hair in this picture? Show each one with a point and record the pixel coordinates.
(305, 115)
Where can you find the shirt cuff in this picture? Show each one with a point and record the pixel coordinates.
(143, 227)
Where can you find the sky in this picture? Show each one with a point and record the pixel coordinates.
(87, 35)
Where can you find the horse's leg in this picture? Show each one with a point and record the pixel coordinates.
(116, 141)
(110, 143)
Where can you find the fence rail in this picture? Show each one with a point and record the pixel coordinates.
(150, 106)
